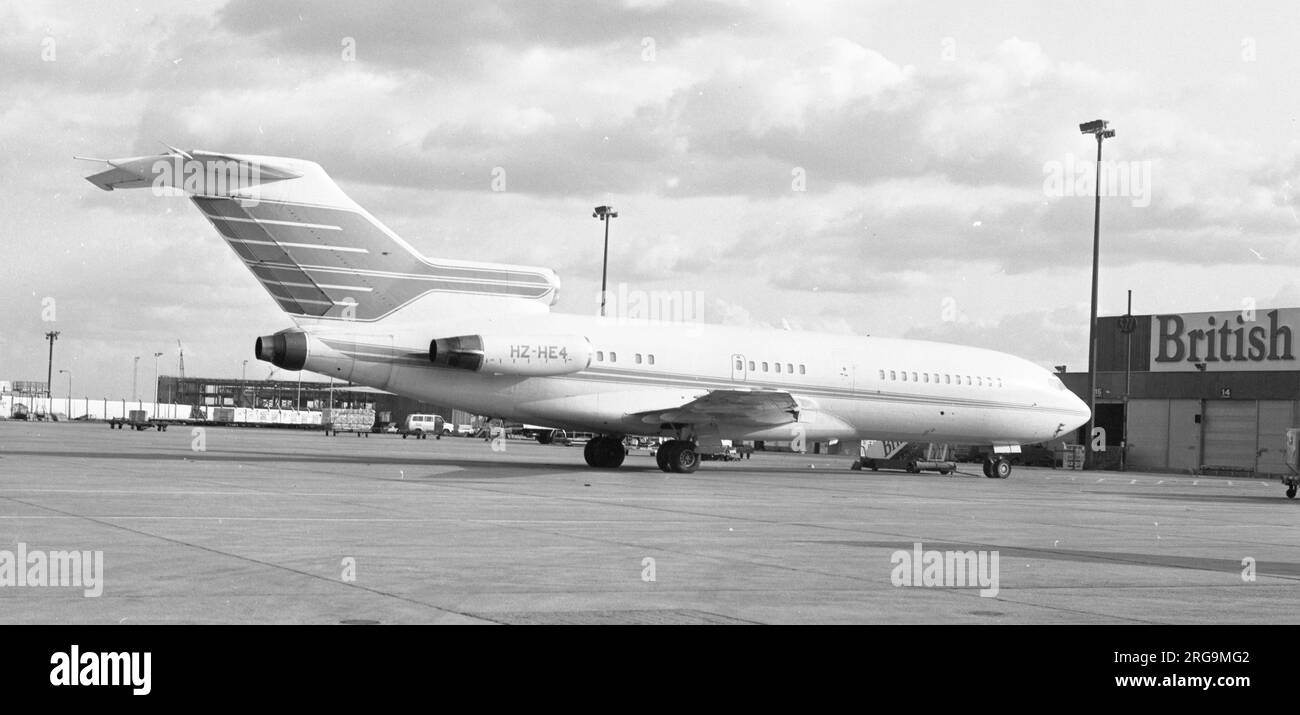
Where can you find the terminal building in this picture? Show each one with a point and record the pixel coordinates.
(1208, 393)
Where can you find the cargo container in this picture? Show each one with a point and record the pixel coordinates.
(360, 421)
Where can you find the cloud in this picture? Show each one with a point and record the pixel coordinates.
(1049, 337)
(448, 34)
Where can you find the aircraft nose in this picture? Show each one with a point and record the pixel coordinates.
(1077, 406)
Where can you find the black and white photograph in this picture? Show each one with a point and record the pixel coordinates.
(651, 312)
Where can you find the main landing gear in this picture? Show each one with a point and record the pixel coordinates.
(996, 467)
(678, 455)
(604, 452)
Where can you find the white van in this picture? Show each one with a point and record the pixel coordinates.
(421, 426)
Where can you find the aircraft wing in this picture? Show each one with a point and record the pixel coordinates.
(737, 407)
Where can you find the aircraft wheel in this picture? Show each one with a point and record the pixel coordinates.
(1290, 493)
(684, 459)
(1001, 468)
(611, 452)
(988, 468)
(664, 453)
(604, 453)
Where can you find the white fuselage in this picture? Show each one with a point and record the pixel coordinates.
(847, 387)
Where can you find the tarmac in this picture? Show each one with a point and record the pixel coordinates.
(248, 525)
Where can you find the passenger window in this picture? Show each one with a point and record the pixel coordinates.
(740, 364)
(914, 378)
(613, 356)
(947, 379)
(893, 375)
(764, 367)
(882, 372)
(904, 376)
(927, 377)
(600, 356)
(637, 358)
(751, 365)
(789, 367)
(778, 367)
(801, 370)
(652, 359)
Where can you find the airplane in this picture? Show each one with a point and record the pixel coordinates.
(369, 308)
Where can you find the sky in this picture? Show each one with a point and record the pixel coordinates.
(902, 169)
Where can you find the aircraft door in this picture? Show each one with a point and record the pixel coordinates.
(739, 373)
(847, 374)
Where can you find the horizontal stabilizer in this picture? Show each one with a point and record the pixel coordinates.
(199, 173)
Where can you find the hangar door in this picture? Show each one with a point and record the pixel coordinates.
(1230, 433)
(1275, 417)
(1148, 434)
(1184, 435)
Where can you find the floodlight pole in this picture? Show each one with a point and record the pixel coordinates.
(155, 381)
(49, 371)
(1099, 130)
(604, 213)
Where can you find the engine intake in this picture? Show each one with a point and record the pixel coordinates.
(526, 355)
(464, 352)
(287, 350)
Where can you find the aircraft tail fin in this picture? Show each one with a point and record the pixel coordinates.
(319, 254)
